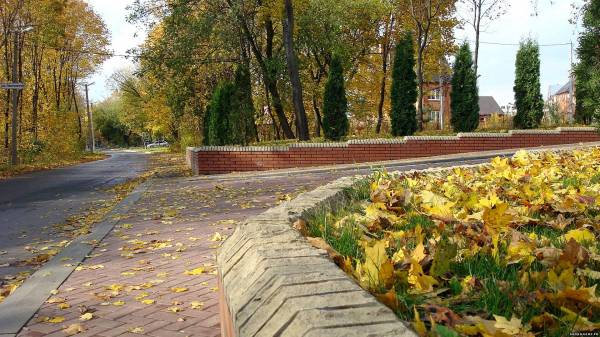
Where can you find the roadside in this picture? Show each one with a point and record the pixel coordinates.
(41, 212)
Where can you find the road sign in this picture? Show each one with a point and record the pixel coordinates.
(17, 86)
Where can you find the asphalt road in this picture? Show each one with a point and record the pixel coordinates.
(30, 204)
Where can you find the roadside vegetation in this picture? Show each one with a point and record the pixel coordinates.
(508, 248)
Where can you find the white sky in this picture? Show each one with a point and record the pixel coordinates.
(123, 38)
(496, 63)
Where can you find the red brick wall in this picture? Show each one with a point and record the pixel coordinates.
(209, 160)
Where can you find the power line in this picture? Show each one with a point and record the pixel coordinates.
(518, 44)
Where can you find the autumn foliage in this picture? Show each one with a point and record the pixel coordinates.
(508, 248)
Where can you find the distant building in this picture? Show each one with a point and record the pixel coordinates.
(436, 102)
(563, 100)
(488, 107)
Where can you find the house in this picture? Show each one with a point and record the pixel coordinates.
(563, 100)
(488, 107)
(436, 104)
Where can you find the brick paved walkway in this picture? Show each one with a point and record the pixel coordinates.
(135, 282)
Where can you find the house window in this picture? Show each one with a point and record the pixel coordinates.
(434, 116)
(435, 95)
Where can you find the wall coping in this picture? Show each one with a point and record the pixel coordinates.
(275, 283)
(383, 141)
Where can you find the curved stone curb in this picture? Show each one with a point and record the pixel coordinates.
(276, 284)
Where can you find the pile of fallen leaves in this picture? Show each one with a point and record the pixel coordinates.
(507, 248)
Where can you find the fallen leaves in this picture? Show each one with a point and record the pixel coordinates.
(517, 236)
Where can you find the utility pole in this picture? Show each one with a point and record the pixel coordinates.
(14, 156)
(92, 145)
(15, 86)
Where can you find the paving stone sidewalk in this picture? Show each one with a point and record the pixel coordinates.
(169, 231)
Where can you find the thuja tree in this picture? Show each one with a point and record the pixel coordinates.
(528, 98)
(229, 118)
(219, 131)
(404, 89)
(464, 95)
(587, 71)
(335, 104)
(241, 118)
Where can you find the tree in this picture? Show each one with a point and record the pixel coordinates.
(241, 119)
(335, 104)
(426, 15)
(587, 71)
(482, 12)
(404, 89)
(386, 46)
(219, 127)
(465, 94)
(528, 98)
(292, 64)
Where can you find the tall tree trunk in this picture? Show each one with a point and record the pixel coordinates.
(7, 57)
(292, 62)
(275, 127)
(420, 91)
(477, 31)
(269, 79)
(384, 65)
(319, 122)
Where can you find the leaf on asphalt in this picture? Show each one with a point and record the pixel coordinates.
(196, 305)
(74, 329)
(196, 271)
(54, 320)
(179, 289)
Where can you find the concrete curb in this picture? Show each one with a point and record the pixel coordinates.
(276, 284)
(18, 308)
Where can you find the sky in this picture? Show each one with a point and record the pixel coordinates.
(124, 36)
(496, 62)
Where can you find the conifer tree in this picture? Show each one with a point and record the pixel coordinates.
(465, 94)
(404, 89)
(219, 132)
(335, 104)
(528, 98)
(241, 118)
(587, 71)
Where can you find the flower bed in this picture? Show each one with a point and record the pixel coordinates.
(507, 248)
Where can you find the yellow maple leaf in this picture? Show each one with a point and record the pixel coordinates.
(63, 306)
(138, 330)
(580, 235)
(86, 317)
(179, 289)
(74, 329)
(216, 237)
(196, 271)
(418, 279)
(565, 280)
(118, 303)
(512, 327)
(174, 309)
(196, 305)
(148, 302)
(55, 319)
